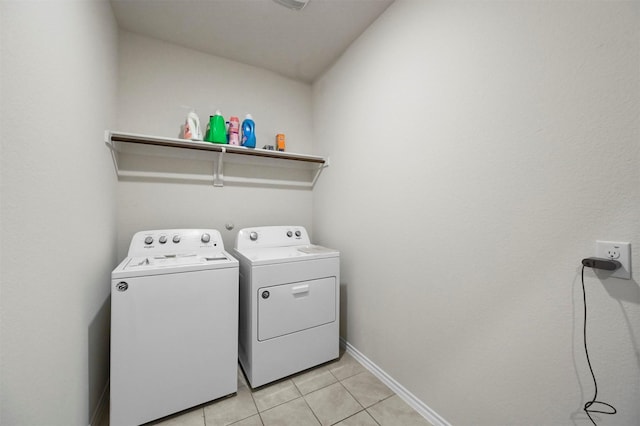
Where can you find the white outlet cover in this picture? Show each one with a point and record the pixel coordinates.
(602, 250)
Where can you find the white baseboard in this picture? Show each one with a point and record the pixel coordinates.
(403, 393)
(99, 414)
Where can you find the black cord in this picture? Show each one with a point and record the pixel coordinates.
(588, 405)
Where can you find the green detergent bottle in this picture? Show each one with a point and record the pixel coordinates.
(217, 132)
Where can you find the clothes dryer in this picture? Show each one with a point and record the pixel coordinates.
(174, 325)
(289, 302)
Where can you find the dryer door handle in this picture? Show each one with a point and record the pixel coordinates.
(300, 289)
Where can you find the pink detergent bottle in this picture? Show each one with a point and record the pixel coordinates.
(234, 131)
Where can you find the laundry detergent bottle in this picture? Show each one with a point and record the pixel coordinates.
(249, 132)
(191, 129)
(217, 129)
(233, 132)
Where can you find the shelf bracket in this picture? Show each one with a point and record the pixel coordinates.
(218, 173)
(112, 148)
(320, 169)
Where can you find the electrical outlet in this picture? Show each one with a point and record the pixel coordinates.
(613, 252)
(616, 251)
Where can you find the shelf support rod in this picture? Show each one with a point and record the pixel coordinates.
(322, 167)
(112, 148)
(218, 173)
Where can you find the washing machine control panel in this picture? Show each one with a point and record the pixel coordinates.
(175, 241)
(272, 236)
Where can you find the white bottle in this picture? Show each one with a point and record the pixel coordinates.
(192, 128)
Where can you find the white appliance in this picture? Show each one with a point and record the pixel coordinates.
(174, 325)
(289, 302)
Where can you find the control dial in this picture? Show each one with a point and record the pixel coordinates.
(253, 236)
(298, 233)
(176, 239)
(148, 240)
(289, 234)
(205, 238)
(162, 239)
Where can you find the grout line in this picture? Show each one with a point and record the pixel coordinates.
(320, 388)
(296, 386)
(352, 395)
(312, 412)
(254, 403)
(390, 396)
(241, 420)
(357, 374)
(338, 382)
(334, 376)
(371, 415)
(252, 398)
(282, 403)
(355, 414)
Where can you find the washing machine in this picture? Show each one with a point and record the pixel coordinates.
(174, 325)
(289, 302)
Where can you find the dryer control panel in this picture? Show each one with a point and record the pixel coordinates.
(175, 241)
(272, 236)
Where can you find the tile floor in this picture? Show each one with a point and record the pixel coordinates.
(341, 392)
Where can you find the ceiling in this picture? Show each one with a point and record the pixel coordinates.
(296, 44)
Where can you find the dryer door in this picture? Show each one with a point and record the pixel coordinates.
(289, 308)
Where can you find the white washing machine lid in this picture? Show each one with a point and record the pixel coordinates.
(271, 255)
(169, 264)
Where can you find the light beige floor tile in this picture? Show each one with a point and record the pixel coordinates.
(394, 411)
(292, 413)
(366, 388)
(313, 380)
(332, 404)
(249, 421)
(276, 394)
(232, 409)
(360, 419)
(345, 367)
(193, 417)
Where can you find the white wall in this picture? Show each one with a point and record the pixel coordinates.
(155, 80)
(478, 150)
(58, 86)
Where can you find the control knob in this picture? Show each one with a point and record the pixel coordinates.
(289, 234)
(148, 240)
(298, 233)
(253, 236)
(205, 238)
(176, 239)
(162, 239)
